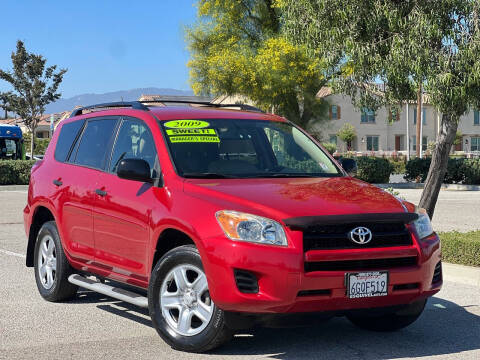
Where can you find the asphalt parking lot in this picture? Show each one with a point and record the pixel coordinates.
(94, 326)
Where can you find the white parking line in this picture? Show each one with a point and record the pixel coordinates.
(11, 253)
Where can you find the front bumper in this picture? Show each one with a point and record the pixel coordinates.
(286, 287)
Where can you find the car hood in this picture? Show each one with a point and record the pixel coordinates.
(288, 197)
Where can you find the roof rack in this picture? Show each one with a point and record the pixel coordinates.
(133, 104)
(139, 105)
(205, 103)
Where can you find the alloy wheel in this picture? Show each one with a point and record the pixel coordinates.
(47, 262)
(185, 300)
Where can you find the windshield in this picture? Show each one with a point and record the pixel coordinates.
(229, 148)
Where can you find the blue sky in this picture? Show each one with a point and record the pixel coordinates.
(106, 45)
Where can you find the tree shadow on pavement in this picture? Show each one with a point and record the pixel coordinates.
(444, 328)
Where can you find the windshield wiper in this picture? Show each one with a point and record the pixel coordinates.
(208, 175)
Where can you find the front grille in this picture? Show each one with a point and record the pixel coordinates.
(329, 237)
(360, 265)
(437, 274)
(246, 281)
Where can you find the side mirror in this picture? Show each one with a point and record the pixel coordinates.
(349, 165)
(134, 169)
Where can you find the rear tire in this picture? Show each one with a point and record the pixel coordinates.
(180, 306)
(52, 268)
(392, 321)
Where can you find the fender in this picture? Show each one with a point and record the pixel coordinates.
(31, 232)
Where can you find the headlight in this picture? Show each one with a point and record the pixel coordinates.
(423, 224)
(252, 228)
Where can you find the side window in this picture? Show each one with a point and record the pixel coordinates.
(134, 141)
(94, 143)
(66, 138)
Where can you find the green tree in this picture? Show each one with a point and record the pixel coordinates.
(237, 48)
(4, 104)
(347, 133)
(407, 46)
(458, 138)
(34, 86)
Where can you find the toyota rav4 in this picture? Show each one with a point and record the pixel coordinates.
(219, 219)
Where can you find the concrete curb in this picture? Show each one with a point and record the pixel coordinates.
(449, 187)
(13, 187)
(467, 275)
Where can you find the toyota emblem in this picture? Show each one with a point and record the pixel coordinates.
(360, 235)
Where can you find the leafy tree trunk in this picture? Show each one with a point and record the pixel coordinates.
(418, 120)
(32, 143)
(438, 167)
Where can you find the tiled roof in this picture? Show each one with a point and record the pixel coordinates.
(8, 121)
(44, 119)
(324, 91)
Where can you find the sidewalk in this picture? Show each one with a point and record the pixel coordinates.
(467, 275)
(13, 187)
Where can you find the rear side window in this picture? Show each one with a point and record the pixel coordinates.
(94, 143)
(68, 134)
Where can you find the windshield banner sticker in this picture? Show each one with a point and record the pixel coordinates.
(172, 132)
(186, 124)
(193, 138)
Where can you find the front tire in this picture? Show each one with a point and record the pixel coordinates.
(52, 268)
(180, 306)
(391, 321)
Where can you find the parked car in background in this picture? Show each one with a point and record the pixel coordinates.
(218, 219)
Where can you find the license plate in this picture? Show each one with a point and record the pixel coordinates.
(367, 284)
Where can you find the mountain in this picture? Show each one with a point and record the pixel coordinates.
(125, 95)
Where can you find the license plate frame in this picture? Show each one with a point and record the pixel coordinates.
(373, 278)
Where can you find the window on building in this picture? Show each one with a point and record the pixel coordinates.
(424, 143)
(332, 139)
(476, 117)
(368, 116)
(372, 143)
(334, 112)
(475, 145)
(424, 116)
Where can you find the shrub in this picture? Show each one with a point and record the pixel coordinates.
(455, 171)
(459, 170)
(330, 147)
(374, 170)
(461, 248)
(471, 170)
(15, 172)
(398, 165)
(417, 168)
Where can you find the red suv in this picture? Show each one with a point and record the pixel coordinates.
(218, 219)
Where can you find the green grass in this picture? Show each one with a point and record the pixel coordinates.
(461, 248)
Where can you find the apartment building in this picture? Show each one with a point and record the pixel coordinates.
(386, 130)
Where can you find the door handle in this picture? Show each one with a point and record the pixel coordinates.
(57, 182)
(101, 192)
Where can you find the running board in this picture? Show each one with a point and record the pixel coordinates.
(114, 292)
